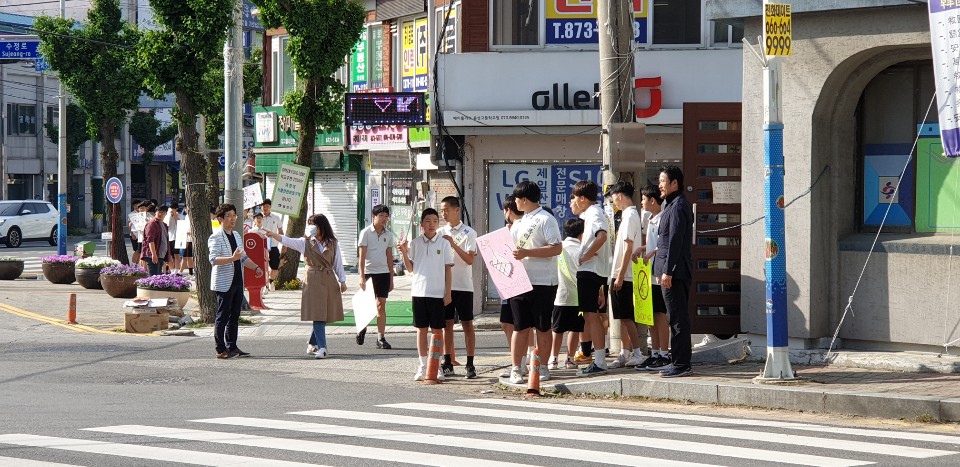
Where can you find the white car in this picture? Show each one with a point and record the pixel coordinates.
(27, 220)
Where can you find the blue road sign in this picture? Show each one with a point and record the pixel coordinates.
(12, 47)
(114, 190)
(41, 64)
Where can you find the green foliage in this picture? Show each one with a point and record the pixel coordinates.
(76, 133)
(149, 132)
(322, 33)
(95, 63)
(292, 284)
(253, 77)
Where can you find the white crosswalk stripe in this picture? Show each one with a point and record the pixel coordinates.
(32, 266)
(485, 432)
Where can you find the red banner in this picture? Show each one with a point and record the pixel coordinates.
(255, 247)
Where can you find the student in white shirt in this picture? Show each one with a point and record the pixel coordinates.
(595, 262)
(629, 238)
(430, 259)
(650, 200)
(463, 242)
(376, 263)
(537, 239)
(272, 223)
(566, 313)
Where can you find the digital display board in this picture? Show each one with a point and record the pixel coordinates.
(386, 108)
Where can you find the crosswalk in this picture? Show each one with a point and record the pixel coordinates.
(32, 266)
(482, 432)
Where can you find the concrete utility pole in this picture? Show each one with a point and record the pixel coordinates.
(233, 115)
(615, 23)
(62, 165)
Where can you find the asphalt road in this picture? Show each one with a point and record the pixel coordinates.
(104, 400)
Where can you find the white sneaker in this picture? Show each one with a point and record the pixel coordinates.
(515, 376)
(311, 349)
(552, 364)
(321, 353)
(619, 362)
(524, 366)
(544, 374)
(505, 374)
(440, 377)
(707, 340)
(635, 359)
(420, 372)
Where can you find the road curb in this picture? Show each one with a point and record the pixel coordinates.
(879, 405)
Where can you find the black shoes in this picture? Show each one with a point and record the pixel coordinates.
(239, 353)
(361, 335)
(471, 372)
(447, 369)
(676, 372)
(224, 355)
(383, 344)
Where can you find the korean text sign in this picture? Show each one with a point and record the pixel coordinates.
(575, 21)
(289, 189)
(945, 40)
(555, 180)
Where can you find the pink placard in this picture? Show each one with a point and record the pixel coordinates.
(508, 274)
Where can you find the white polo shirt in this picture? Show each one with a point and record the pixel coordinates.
(272, 223)
(629, 230)
(567, 273)
(465, 238)
(375, 261)
(595, 220)
(536, 229)
(430, 259)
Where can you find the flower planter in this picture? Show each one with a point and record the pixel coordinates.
(88, 278)
(120, 286)
(59, 273)
(10, 270)
(181, 297)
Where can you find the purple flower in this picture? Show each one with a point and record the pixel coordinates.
(167, 282)
(123, 270)
(59, 259)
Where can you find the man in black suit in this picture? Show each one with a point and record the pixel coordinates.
(674, 266)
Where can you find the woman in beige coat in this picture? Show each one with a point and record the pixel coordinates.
(321, 301)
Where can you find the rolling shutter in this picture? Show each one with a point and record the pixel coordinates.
(335, 195)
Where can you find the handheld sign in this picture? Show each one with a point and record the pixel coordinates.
(507, 273)
(254, 280)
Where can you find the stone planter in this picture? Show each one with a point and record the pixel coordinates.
(88, 278)
(59, 273)
(120, 286)
(182, 297)
(10, 270)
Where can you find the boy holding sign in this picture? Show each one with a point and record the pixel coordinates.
(650, 201)
(629, 238)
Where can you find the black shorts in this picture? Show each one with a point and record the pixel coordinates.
(588, 289)
(534, 309)
(621, 301)
(381, 282)
(428, 313)
(172, 250)
(188, 251)
(275, 258)
(136, 245)
(461, 306)
(567, 319)
(659, 306)
(506, 313)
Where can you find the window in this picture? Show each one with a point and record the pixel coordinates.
(22, 119)
(283, 74)
(677, 22)
(53, 114)
(726, 35)
(516, 22)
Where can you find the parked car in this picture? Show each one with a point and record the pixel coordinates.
(27, 220)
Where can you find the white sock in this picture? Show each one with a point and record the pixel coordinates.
(379, 336)
(624, 353)
(423, 360)
(599, 358)
(523, 361)
(637, 353)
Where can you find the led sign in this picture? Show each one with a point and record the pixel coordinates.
(386, 108)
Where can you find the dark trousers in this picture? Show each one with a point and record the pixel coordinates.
(228, 318)
(676, 299)
(154, 269)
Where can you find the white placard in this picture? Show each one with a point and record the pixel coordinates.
(266, 127)
(289, 189)
(180, 236)
(726, 192)
(252, 196)
(364, 306)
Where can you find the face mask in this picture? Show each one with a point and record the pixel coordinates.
(311, 230)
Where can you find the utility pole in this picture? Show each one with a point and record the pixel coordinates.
(233, 114)
(62, 153)
(615, 24)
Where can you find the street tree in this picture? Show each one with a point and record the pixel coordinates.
(176, 58)
(77, 134)
(95, 64)
(322, 33)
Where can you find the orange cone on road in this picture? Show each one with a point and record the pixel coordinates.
(533, 382)
(433, 358)
(72, 310)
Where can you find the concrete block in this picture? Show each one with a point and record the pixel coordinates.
(950, 410)
(646, 387)
(884, 405)
(770, 397)
(603, 387)
(733, 350)
(701, 393)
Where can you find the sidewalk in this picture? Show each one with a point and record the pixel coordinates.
(909, 385)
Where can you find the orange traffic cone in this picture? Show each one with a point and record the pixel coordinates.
(433, 358)
(72, 310)
(533, 382)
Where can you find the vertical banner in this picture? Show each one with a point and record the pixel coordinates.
(945, 40)
(358, 64)
(375, 62)
(422, 74)
(507, 273)
(642, 290)
(575, 21)
(408, 57)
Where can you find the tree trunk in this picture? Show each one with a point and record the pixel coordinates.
(116, 217)
(194, 167)
(213, 179)
(290, 261)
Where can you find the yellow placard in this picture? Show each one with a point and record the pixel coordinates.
(777, 29)
(642, 290)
